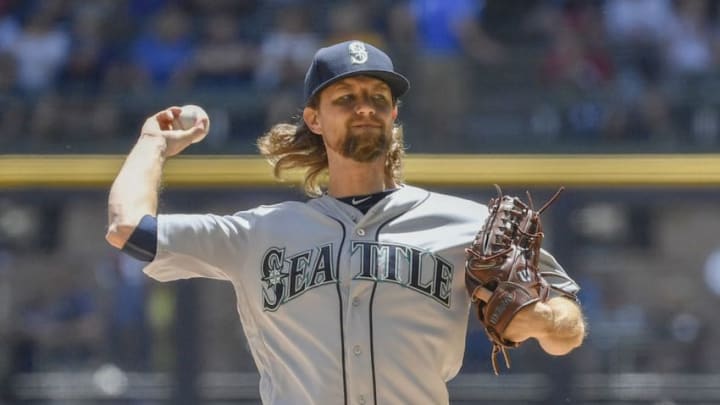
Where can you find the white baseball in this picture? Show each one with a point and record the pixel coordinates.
(188, 116)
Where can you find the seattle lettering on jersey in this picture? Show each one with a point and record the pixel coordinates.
(286, 278)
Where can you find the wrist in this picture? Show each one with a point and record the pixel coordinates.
(534, 321)
(153, 143)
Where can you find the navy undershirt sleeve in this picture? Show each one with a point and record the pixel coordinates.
(142, 244)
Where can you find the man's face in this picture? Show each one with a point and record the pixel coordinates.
(355, 117)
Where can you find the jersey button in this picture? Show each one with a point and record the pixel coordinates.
(361, 232)
(357, 350)
(361, 400)
(356, 302)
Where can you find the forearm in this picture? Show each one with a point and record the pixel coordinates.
(558, 325)
(134, 192)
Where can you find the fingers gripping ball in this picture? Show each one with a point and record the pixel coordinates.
(504, 258)
(189, 116)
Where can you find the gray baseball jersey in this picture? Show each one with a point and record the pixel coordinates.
(340, 307)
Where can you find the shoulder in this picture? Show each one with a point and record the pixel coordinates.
(283, 211)
(452, 209)
(448, 201)
(274, 209)
(457, 202)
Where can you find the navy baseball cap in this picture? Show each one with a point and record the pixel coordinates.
(352, 58)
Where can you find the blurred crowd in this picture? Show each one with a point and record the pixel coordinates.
(79, 76)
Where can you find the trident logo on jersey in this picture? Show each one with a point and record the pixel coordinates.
(286, 278)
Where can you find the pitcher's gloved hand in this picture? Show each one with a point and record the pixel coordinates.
(503, 259)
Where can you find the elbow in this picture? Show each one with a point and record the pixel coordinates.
(558, 350)
(569, 327)
(118, 234)
(565, 346)
(121, 225)
(115, 237)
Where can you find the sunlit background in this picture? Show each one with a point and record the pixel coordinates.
(81, 324)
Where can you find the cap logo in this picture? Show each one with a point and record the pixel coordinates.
(358, 53)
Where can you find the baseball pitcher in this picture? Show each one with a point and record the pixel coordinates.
(361, 294)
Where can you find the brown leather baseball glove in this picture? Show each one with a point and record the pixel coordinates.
(503, 258)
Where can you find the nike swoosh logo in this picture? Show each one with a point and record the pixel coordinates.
(360, 201)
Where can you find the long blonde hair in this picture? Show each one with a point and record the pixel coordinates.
(295, 146)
